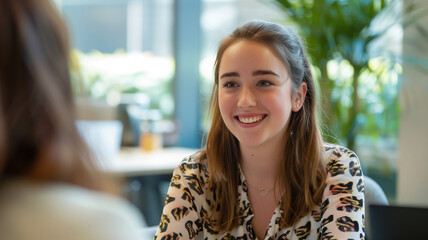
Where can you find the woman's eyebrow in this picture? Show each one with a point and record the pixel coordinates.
(264, 72)
(255, 73)
(229, 74)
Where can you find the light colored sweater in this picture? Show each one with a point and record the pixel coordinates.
(65, 212)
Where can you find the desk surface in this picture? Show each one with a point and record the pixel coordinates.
(134, 161)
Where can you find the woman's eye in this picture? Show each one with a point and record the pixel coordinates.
(230, 84)
(264, 83)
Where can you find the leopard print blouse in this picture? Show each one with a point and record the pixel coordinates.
(339, 216)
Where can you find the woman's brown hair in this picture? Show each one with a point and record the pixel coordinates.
(301, 175)
(39, 140)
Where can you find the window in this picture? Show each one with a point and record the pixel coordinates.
(122, 55)
(123, 46)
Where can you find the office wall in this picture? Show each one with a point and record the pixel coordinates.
(413, 146)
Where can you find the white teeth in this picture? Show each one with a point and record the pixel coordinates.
(250, 119)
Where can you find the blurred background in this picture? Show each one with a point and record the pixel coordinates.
(148, 64)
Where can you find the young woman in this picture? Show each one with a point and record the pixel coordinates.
(49, 187)
(265, 172)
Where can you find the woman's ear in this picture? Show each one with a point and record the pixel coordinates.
(299, 97)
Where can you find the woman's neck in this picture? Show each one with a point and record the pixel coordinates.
(260, 164)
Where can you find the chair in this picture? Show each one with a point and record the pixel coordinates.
(373, 194)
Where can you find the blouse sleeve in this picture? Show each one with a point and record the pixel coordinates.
(180, 218)
(342, 208)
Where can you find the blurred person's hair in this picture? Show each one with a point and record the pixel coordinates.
(39, 140)
(301, 175)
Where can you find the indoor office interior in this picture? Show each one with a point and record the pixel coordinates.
(142, 73)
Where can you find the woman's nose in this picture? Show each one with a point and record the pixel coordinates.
(246, 98)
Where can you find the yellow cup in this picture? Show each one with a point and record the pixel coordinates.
(150, 141)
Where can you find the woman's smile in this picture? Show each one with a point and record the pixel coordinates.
(250, 120)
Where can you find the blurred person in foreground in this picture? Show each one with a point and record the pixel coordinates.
(49, 187)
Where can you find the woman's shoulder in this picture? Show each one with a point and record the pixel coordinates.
(196, 163)
(340, 160)
(333, 151)
(95, 214)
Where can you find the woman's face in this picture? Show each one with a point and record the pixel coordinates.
(255, 94)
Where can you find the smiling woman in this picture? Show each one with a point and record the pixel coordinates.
(265, 172)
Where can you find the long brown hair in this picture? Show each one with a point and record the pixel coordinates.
(301, 175)
(39, 140)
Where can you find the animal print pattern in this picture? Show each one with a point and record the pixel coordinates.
(340, 214)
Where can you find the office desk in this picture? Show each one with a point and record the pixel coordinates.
(147, 176)
(132, 161)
